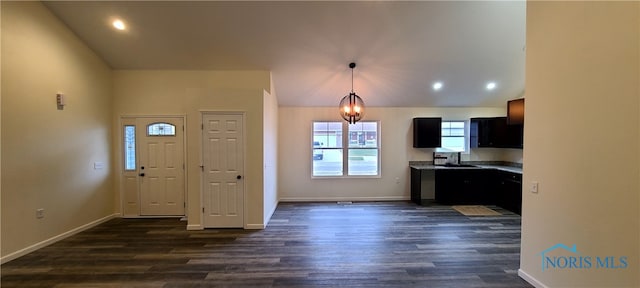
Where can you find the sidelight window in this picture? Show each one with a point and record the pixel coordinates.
(129, 147)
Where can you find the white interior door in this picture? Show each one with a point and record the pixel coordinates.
(161, 166)
(223, 161)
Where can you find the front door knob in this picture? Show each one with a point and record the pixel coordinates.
(238, 177)
(141, 174)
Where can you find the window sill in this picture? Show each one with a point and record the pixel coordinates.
(348, 177)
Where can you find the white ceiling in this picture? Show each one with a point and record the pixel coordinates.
(400, 48)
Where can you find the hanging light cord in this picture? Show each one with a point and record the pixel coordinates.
(351, 106)
(351, 80)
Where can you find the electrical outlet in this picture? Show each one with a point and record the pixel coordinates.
(39, 213)
(534, 187)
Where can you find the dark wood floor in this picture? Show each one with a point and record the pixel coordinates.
(385, 244)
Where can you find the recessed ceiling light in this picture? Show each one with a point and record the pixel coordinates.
(437, 86)
(491, 85)
(118, 24)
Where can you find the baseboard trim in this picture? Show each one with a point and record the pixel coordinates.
(336, 199)
(270, 214)
(47, 242)
(530, 279)
(192, 227)
(152, 217)
(254, 226)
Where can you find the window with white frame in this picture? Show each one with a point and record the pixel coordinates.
(453, 136)
(354, 153)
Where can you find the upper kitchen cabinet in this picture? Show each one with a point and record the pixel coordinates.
(427, 132)
(494, 132)
(515, 112)
(486, 132)
(514, 137)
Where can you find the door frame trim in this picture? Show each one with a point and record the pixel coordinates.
(244, 162)
(119, 162)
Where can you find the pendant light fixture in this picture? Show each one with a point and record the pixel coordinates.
(352, 106)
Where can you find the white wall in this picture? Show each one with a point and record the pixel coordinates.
(1, 254)
(294, 164)
(270, 154)
(162, 92)
(49, 154)
(581, 140)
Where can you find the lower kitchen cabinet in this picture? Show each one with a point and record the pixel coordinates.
(416, 187)
(479, 187)
(422, 186)
(468, 186)
(463, 186)
(509, 191)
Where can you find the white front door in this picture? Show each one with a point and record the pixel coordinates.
(161, 166)
(223, 161)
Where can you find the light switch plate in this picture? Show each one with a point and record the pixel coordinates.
(39, 213)
(534, 187)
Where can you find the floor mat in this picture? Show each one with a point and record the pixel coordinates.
(475, 210)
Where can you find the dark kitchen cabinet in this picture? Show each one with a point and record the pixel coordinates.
(514, 137)
(422, 186)
(466, 186)
(494, 132)
(416, 188)
(427, 132)
(515, 112)
(509, 191)
(486, 132)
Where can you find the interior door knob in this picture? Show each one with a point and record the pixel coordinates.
(239, 177)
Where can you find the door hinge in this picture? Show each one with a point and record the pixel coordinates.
(202, 126)
(202, 210)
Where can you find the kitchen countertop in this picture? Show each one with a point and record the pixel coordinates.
(507, 168)
(511, 169)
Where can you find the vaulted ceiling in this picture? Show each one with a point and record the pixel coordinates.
(401, 48)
